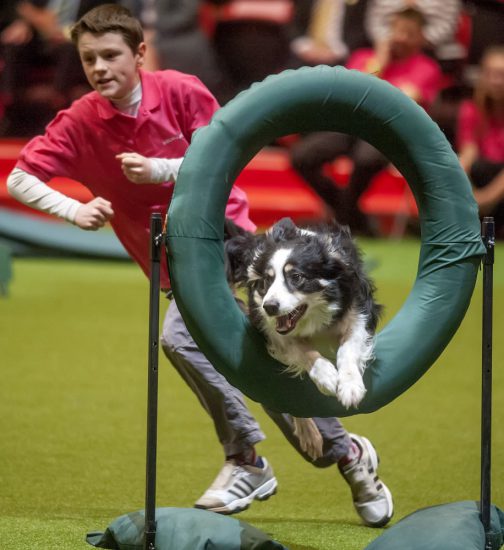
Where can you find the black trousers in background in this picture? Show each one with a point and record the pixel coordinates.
(481, 174)
(308, 157)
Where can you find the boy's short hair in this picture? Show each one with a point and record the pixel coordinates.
(109, 18)
(411, 14)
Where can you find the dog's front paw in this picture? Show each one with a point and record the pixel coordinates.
(325, 376)
(351, 389)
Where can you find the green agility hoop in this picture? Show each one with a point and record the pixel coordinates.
(323, 99)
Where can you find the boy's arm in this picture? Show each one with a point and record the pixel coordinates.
(140, 169)
(33, 192)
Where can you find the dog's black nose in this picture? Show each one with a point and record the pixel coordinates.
(271, 307)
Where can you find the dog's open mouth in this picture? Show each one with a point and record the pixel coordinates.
(287, 323)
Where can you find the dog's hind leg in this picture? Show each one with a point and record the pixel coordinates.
(310, 440)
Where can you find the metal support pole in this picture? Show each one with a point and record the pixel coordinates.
(156, 232)
(488, 234)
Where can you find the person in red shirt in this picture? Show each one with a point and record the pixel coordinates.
(401, 62)
(480, 136)
(125, 141)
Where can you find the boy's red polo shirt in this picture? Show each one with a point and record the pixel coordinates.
(82, 142)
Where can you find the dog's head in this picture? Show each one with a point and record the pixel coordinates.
(298, 279)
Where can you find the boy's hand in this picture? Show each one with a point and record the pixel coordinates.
(136, 167)
(17, 33)
(94, 214)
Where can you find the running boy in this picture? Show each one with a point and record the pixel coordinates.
(125, 142)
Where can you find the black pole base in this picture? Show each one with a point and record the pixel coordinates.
(156, 234)
(488, 235)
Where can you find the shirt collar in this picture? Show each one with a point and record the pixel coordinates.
(151, 98)
(151, 95)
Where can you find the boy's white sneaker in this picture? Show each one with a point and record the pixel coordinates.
(371, 497)
(236, 486)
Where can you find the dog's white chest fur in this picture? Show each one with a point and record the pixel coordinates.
(310, 355)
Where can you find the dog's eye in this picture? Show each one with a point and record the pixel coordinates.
(296, 278)
(261, 285)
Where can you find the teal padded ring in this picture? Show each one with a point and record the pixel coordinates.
(323, 99)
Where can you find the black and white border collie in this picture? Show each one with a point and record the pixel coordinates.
(306, 285)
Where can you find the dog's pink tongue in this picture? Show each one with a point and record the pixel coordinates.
(283, 323)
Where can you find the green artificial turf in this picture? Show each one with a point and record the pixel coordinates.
(73, 356)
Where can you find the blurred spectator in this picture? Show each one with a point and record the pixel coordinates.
(402, 64)
(480, 136)
(441, 19)
(41, 71)
(323, 41)
(244, 41)
(7, 16)
(251, 40)
(487, 18)
(27, 43)
(147, 11)
(327, 31)
(182, 44)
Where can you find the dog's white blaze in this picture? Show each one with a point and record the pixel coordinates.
(278, 290)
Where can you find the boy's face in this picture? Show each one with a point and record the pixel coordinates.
(406, 38)
(109, 64)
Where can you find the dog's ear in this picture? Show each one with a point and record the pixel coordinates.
(232, 230)
(345, 230)
(283, 230)
(340, 244)
(239, 253)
